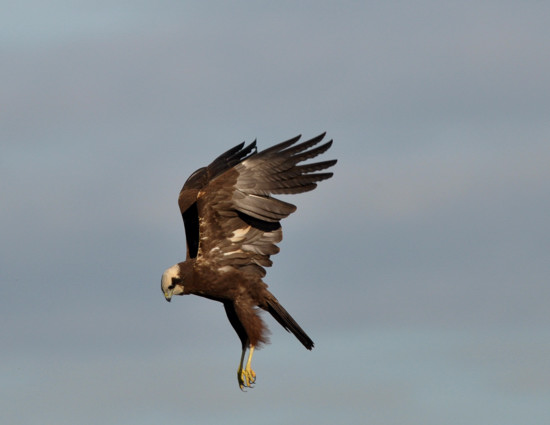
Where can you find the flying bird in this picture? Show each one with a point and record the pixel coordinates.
(232, 227)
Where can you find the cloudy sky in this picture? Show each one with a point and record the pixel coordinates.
(420, 270)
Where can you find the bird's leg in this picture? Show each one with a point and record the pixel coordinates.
(246, 376)
(249, 372)
(240, 369)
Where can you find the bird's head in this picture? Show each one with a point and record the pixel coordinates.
(171, 282)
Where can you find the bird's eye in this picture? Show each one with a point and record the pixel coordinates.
(175, 281)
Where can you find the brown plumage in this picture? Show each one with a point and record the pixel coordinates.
(232, 226)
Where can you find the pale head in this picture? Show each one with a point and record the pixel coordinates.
(171, 283)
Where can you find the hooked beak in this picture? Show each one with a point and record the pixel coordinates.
(168, 295)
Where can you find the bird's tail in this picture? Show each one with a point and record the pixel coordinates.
(286, 321)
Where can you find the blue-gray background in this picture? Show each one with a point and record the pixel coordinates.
(420, 270)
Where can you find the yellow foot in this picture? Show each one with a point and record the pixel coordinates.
(246, 377)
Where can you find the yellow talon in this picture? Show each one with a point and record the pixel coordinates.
(246, 376)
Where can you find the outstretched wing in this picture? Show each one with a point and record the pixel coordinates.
(187, 200)
(239, 219)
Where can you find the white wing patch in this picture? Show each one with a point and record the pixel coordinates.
(225, 269)
(239, 234)
(238, 251)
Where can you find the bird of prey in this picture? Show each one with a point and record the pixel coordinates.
(232, 226)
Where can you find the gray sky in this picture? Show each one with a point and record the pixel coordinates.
(420, 270)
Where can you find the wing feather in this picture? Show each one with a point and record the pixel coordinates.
(238, 219)
(189, 193)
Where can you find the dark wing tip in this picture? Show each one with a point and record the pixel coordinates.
(230, 158)
(281, 146)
